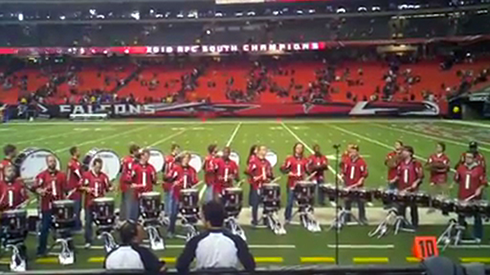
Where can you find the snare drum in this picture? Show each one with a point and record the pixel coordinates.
(466, 208)
(304, 192)
(103, 209)
(150, 205)
(14, 222)
(271, 195)
(63, 213)
(484, 208)
(189, 198)
(329, 191)
(32, 161)
(422, 199)
(232, 199)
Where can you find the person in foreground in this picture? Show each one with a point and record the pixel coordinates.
(215, 248)
(130, 255)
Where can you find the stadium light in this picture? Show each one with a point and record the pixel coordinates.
(361, 9)
(135, 15)
(92, 11)
(218, 14)
(62, 17)
(311, 11)
(20, 16)
(340, 10)
(251, 13)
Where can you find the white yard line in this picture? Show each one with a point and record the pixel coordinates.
(101, 139)
(166, 138)
(306, 146)
(467, 123)
(362, 246)
(429, 136)
(47, 137)
(232, 137)
(180, 246)
(372, 141)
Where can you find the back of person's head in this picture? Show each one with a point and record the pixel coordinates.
(214, 214)
(128, 232)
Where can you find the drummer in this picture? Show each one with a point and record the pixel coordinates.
(252, 156)
(471, 180)
(209, 168)
(95, 184)
(127, 195)
(143, 177)
(49, 185)
(74, 175)
(226, 173)
(13, 194)
(182, 176)
(10, 153)
(167, 186)
(317, 164)
(354, 174)
(259, 171)
(295, 167)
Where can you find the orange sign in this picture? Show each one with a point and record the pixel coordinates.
(425, 247)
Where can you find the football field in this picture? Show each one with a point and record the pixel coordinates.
(299, 246)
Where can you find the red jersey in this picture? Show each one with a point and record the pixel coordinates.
(479, 158)
(260, 171)
(73, 177)
(169, 164)
(127, 164)
(145, 176)
(54, 183)
(12, 194)
(98, 184)
(225, 174)
(343, 159)
(392, 172)
(318, 164)
(210, 169)
(183, 177)
(4, 163)
(296, 167)
(251, 159)
(437, 177)
(354, 170)
(408, 172)
(469, 180)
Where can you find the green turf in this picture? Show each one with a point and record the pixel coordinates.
(375, 139)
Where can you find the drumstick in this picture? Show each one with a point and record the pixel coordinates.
(470, 197)
(239, 184)
(199, 183)
(311, 176)
(276, 179)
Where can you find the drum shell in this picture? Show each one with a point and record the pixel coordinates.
(304, 193)
(150, 206)
(14, 223)
(232, 200)
(63, 213)
(271, 196)
(103, 211)
(467, 209)
(188, 199)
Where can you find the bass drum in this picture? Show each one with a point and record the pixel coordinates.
(196, 162)
(233, 156)
(32, 161)
(157, 159)
(111, 163)
(271, 157)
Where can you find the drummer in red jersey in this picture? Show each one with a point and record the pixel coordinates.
(317, 165)
(167, 186)
(74, 175)
(183, 176)
(10, 153)
(226, 173)
(50, 185)
(409, 177)
(95, 184)
(345, 156)
(259, 171)
(209, 168)
(438, 164)
(252, 156)
(296, 167)
(392, 160)
(127, 196)
(143, 177)
(13, 194)
(471, 179)
(354, 175)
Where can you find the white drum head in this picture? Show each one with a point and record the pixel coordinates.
(272, 158)
(196, 162)
(157, 159)
(111, 163)
(35, 162)
(102, 200)
(233, 156)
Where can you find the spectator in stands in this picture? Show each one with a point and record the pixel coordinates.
(130, 255)
(215, 248)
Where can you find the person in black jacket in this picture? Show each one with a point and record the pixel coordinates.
(216, 248)
(130, 255)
